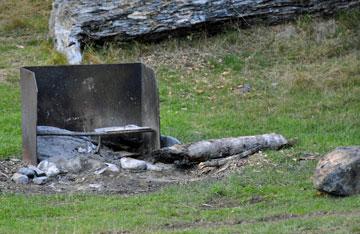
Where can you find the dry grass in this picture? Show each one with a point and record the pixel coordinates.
(2, 75)
(299, 60)
(24, 16)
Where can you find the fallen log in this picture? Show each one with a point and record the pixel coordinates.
(73, 23)
(222, 161)
(219, 148)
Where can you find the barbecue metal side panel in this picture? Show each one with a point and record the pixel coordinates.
(29, 93)
(150, 112)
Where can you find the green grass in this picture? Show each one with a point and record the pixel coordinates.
(291, 207)
(10, 136)
(301, 88)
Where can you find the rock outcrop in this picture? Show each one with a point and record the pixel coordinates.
(73, 23)
(338, 172)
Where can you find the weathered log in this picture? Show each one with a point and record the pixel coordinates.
(222, 161)
(219, 148)
(72, 23)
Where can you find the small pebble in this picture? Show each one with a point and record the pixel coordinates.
(167, 141)
(40, 180)
(49, 168)
(246, 88)
(96, 186)
(27, 171)
(153, 167)
(112, 167)
(38, 172)
(15, 160)
(109, 168)
(133, 164)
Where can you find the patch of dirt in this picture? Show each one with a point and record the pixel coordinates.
(256, 199)
(220, 202)
(226, 202)
(125, 181)
(267, 219)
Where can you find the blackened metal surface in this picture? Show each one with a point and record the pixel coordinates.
(150, 107)
(84, 97)
(29, 115)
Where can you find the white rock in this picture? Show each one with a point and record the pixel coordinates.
(15, 160)
(49, 168)
(152, 167)
(110, 168)
(40, 180)
(20, 178)
(95, 186)
(133, 164)
(158, 167)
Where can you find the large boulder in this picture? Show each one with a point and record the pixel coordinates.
(338, 172)
(73, 23)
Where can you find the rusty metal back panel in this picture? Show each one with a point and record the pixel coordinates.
(82, 98)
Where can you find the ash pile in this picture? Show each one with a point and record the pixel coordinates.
(60, 154)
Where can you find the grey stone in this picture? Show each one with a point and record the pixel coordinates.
(20, 178)
(167, 141)
(27, 171)
(112, 167)
(61, 146)
(153, 167)
(40, 180)
(49, 168)
(158, 167)
(338, 172)
(73, 23)
(108, 169)
(133, 164)
(246, 88)
(37, 171)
